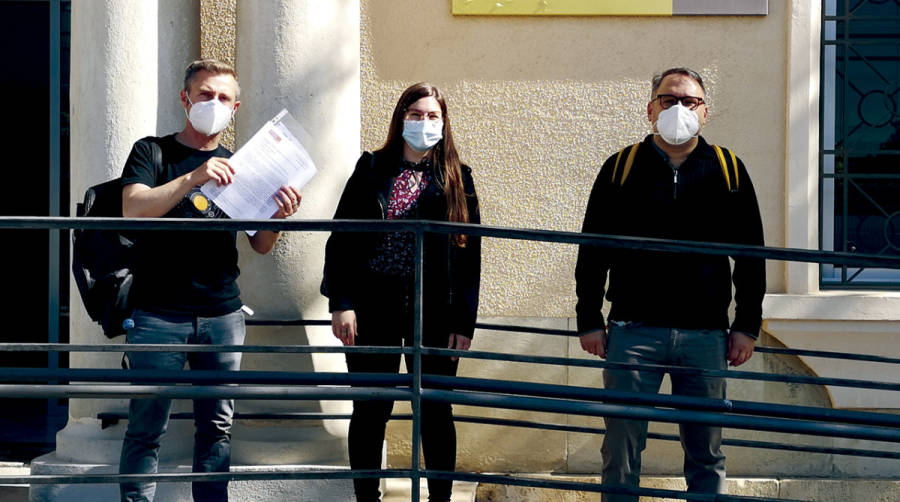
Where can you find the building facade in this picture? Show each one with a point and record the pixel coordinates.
(537, 103)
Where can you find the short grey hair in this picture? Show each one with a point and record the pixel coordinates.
(687, 72)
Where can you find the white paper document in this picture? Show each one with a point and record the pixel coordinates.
(273, 157)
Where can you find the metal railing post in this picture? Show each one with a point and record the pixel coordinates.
(416, 403)
(53, 271)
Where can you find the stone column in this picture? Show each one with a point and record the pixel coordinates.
(302, 55)
(128, 61)
(114, 102)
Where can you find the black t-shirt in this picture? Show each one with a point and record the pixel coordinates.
(182, 271)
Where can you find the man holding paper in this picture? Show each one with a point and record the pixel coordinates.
(185, 289)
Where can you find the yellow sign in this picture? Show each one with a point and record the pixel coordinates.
(563, 7)
(611, 7)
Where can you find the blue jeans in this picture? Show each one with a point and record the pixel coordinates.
(704, 463)
(149, 418)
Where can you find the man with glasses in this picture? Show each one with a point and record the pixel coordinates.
(669, 308)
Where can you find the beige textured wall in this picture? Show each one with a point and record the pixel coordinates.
(218, 27)
(538, 103)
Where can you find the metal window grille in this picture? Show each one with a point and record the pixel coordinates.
(860, 139)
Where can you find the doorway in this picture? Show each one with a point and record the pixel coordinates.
(34, 54)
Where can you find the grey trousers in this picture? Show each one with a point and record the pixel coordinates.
(704, 463)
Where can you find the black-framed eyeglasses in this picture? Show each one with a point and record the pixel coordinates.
(667, 101)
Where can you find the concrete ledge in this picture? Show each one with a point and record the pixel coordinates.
(245, 491)
(14, 493)
(812, 489)
(398, 490)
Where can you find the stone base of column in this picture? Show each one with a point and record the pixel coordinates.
(252, 442)
(245, 491)
(257, 443)
(84, 447)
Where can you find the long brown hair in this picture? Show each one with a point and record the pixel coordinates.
(443, 155)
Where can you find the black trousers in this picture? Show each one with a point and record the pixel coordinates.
(387, 324)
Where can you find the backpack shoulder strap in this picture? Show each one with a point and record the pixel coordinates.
(729, 165)
(629, 152)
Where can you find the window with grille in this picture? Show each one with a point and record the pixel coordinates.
(860, 138)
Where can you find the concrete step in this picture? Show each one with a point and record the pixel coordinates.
(298, 490)
(14, 493)
(398, 490)
(805, 489)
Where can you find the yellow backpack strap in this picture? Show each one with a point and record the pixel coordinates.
(628, 152)
(729, 165)
(616, 165)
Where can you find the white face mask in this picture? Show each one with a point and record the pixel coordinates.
(209, 117)
(421, 135)
(678, 124)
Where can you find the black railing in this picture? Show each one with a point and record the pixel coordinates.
(415, 387)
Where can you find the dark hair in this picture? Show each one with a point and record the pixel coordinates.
(213, 66)
(443, 155)
(687, 72)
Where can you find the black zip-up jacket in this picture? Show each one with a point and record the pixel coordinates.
(451, 274)
(677, 290)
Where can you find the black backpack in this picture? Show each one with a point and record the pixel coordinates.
(102, 260)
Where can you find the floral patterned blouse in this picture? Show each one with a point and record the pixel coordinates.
(394, 256)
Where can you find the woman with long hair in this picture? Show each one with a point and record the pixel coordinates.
(369, 276)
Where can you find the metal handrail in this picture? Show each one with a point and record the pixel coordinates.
(424, 226)
(416, 387)
(108, 418)
(590, 394)
(65, 347)
(32, 373)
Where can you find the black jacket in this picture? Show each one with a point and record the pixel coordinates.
(678, 290)
(451, 274)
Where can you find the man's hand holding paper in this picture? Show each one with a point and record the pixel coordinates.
(269, 170)
(216, 169)
(288, 200)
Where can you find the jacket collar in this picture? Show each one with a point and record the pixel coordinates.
(424, 165)
(388, 166)
(702, 150)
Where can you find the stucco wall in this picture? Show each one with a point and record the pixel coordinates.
(538, 103)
